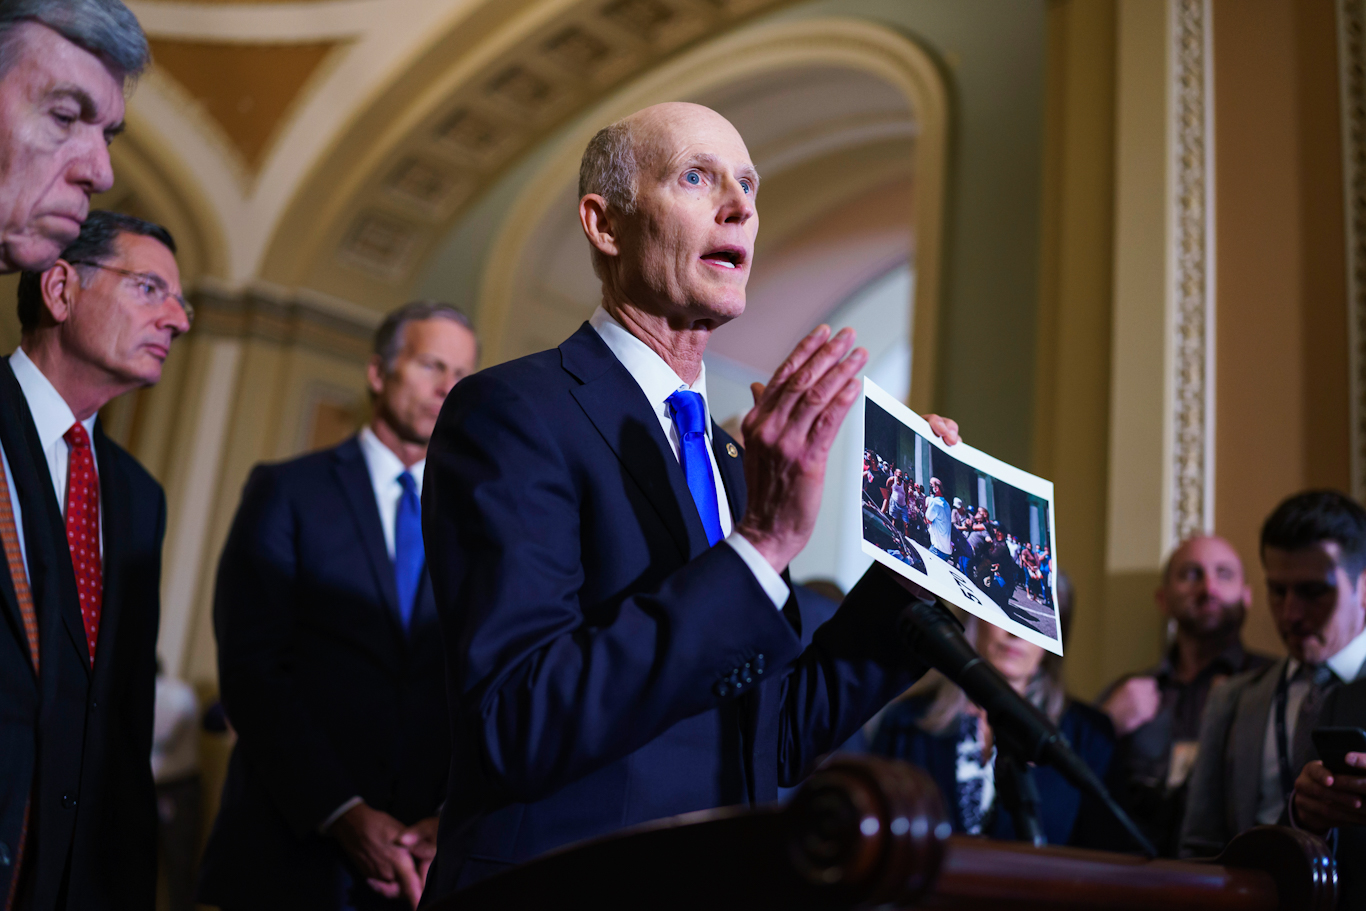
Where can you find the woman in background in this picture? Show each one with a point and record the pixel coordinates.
(935, 727)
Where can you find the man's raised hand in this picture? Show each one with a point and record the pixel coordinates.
(788, 435)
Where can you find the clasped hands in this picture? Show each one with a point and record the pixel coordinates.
(394, 858)
(1325, 799)
(788, 435)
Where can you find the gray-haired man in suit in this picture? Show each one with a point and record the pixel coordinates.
(1256, 734)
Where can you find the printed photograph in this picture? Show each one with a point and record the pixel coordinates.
(953, 524)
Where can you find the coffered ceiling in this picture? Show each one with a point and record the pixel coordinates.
(332, 143)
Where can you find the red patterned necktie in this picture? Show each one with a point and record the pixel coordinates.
(83, 530)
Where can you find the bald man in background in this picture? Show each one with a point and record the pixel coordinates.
(622, 640)
(1204, 597)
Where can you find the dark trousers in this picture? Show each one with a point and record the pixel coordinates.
(179, 826)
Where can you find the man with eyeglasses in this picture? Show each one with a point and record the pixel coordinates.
(96, 324)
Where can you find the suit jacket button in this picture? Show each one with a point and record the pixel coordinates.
(759, 663)
(5, 858)
(68, 802)
(721, 689)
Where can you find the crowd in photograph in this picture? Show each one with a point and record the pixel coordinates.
(963, 534)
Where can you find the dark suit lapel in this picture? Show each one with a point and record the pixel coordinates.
(424, 605)
(354, 478)
(51, 575)
(730, 459)
(619, 410)
(116, 514)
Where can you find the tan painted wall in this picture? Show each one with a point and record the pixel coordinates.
(1072, 366)
(1132, 634)
(1281, 410)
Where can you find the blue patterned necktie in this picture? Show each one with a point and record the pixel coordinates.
(690, 417)
(407, 547)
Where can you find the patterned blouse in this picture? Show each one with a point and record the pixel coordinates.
(976, 778)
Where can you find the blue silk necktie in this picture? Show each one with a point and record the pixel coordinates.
(690, 417)
(407, 547)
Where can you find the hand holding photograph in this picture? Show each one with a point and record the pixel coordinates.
(962, 524)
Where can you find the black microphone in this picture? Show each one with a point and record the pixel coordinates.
(936, 637)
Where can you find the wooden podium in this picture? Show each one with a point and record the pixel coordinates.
(864, 832)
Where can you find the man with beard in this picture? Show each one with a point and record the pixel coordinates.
(1157, 714)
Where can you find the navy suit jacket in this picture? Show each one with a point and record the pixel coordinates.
(1064, 815)
(607, 666)
(84, 735)
(330, 698)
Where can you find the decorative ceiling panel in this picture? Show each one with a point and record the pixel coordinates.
(247, 90)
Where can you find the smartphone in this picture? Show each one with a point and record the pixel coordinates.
(1333, 745)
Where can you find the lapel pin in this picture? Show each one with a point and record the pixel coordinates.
(732, 451)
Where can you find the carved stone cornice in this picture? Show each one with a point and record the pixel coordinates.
(1191, 490)
(261, 311)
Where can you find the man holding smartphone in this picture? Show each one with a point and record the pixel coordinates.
(1257, 728)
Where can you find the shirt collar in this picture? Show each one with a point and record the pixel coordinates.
(1346, 664)
(655, 378)
(52, 416)
(385, 467)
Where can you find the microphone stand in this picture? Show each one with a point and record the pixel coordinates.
(935, 637)
(1018, 793)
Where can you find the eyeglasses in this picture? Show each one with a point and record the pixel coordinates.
(151, 287)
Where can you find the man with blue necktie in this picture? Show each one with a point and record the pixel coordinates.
(623, 643)
(329, 654)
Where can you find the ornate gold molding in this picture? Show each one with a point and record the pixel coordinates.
(1191, 271)
(1351, 16)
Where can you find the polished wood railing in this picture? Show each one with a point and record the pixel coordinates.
(867, 832)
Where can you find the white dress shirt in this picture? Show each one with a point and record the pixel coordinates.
(658, 381)
(385, 468)
(52, 417)
(1347, 665)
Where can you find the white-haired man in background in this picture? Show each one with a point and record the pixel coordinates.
(64, 67)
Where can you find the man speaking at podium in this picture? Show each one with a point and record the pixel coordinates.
(609, 568)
